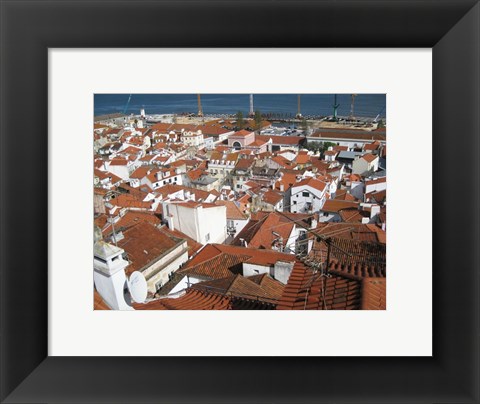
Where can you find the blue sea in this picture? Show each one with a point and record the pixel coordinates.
(366, 105)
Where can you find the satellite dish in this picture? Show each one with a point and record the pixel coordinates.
(137, 285)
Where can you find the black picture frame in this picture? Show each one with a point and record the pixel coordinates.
(29, 28)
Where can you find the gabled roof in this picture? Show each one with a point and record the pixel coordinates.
(236, 255)
(311, 182)
(131, 218)
(233, 210)
(265, 232)
(140, 172)
(244, 164)
(241, 133)
(369, 157)
(221, 265)
(272, 197)
(336, 205)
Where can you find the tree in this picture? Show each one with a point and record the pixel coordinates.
(240, 120)
(326, 145)
(258, 120)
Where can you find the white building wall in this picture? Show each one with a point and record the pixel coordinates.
(120, 171)
(381, 186)
(212, 224)
(184, 284)
(298, 201)
(166, 265)
(253, 269)
(204, 225)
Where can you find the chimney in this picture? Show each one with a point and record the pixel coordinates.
(170, 222)
(282, 187)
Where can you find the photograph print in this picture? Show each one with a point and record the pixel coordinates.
(239, 201)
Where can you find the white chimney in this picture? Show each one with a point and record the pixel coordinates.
(170, 222)
(282, 187)
(109, 274)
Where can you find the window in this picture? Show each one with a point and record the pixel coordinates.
(207, 237)
(306, 193)
(294, 202)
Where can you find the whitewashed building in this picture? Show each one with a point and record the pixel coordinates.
(204, 222)
(308, 196)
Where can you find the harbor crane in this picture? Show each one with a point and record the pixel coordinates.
(335, 107)
(200, 110)
(352, 106)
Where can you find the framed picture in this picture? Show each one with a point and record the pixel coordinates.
(134, 363)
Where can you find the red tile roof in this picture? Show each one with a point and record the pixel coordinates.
(98, 302)
(356, 271)
(200, 300)
(272, 197)
(192, 300)
(336, 205)
(369, 157)
(239, 286)
(374, 294)
(233, 211)
(144, 244)
(312, 182)
(241, 133)
(221, 265)
(193, 245)
(309, 290)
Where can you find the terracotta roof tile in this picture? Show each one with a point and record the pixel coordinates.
(369, 157)
(144, 244)
(240, 286)
(309, 290)
(233, 210)
(374, 294)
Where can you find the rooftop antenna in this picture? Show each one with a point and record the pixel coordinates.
(335, 107)
(251, 106)
(299, 113)
(200, 110)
